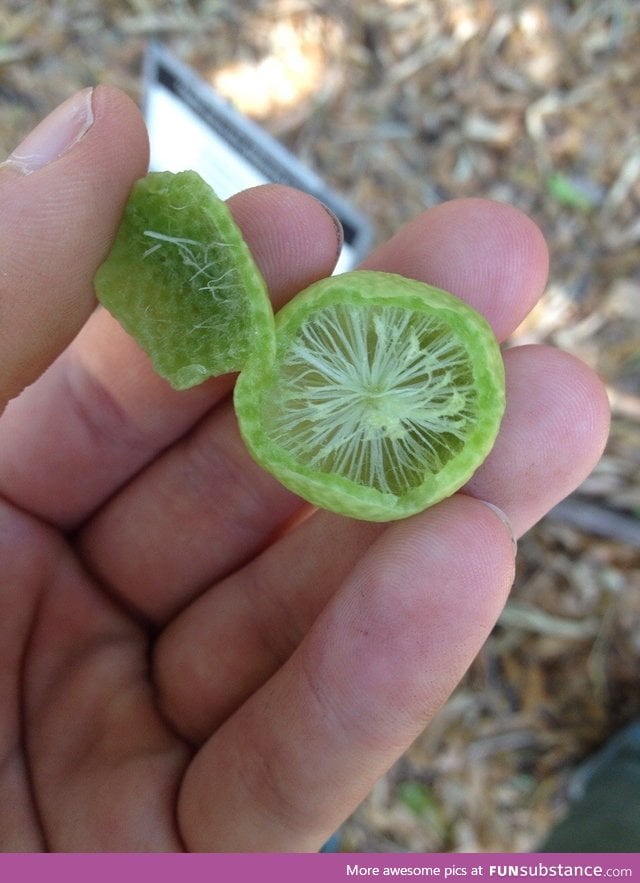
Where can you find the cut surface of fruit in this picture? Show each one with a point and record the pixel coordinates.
(181, 280)
(384, 396)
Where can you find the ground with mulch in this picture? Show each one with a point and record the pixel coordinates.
(399, 105)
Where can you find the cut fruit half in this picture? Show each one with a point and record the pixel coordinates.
(182, 281)
(384, 396)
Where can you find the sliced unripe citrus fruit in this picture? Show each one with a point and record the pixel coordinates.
(181, 280)
(384, 396)
(372, 395)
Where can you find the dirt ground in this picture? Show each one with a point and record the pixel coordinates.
(401, 104)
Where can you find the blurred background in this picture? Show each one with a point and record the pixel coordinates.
(399, 105)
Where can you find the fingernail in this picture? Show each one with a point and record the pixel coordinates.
(337, 223)
(505, 520)
(56, 134)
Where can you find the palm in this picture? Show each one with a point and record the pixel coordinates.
(185, 662)
(96, 767)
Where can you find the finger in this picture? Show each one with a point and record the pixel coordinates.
(284, 771)
(552, 435)
(61, 197)
(101, 410)
(487, 253)
(243, 629)
(144, 568)
(231, 639)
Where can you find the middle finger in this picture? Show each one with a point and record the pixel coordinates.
(207, 509)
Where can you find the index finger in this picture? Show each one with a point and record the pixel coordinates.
(102, 410)
(489, 254)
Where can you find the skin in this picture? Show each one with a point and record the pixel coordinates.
(189, 659)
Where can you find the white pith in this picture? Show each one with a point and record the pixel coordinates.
(381, 395)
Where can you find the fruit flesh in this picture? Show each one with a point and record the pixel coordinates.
(384, 396)
(182, 281)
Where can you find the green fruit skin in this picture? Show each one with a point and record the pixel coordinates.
(256, 386)
(199, 308)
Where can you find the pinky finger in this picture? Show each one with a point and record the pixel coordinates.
(289, 766)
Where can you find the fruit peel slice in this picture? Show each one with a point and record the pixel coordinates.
(181, 280)
(271, 401)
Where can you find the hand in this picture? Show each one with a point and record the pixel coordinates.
(187, 663)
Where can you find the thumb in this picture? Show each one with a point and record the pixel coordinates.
(62, 194)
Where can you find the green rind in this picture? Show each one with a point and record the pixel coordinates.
(195, 321)
(257, 383)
